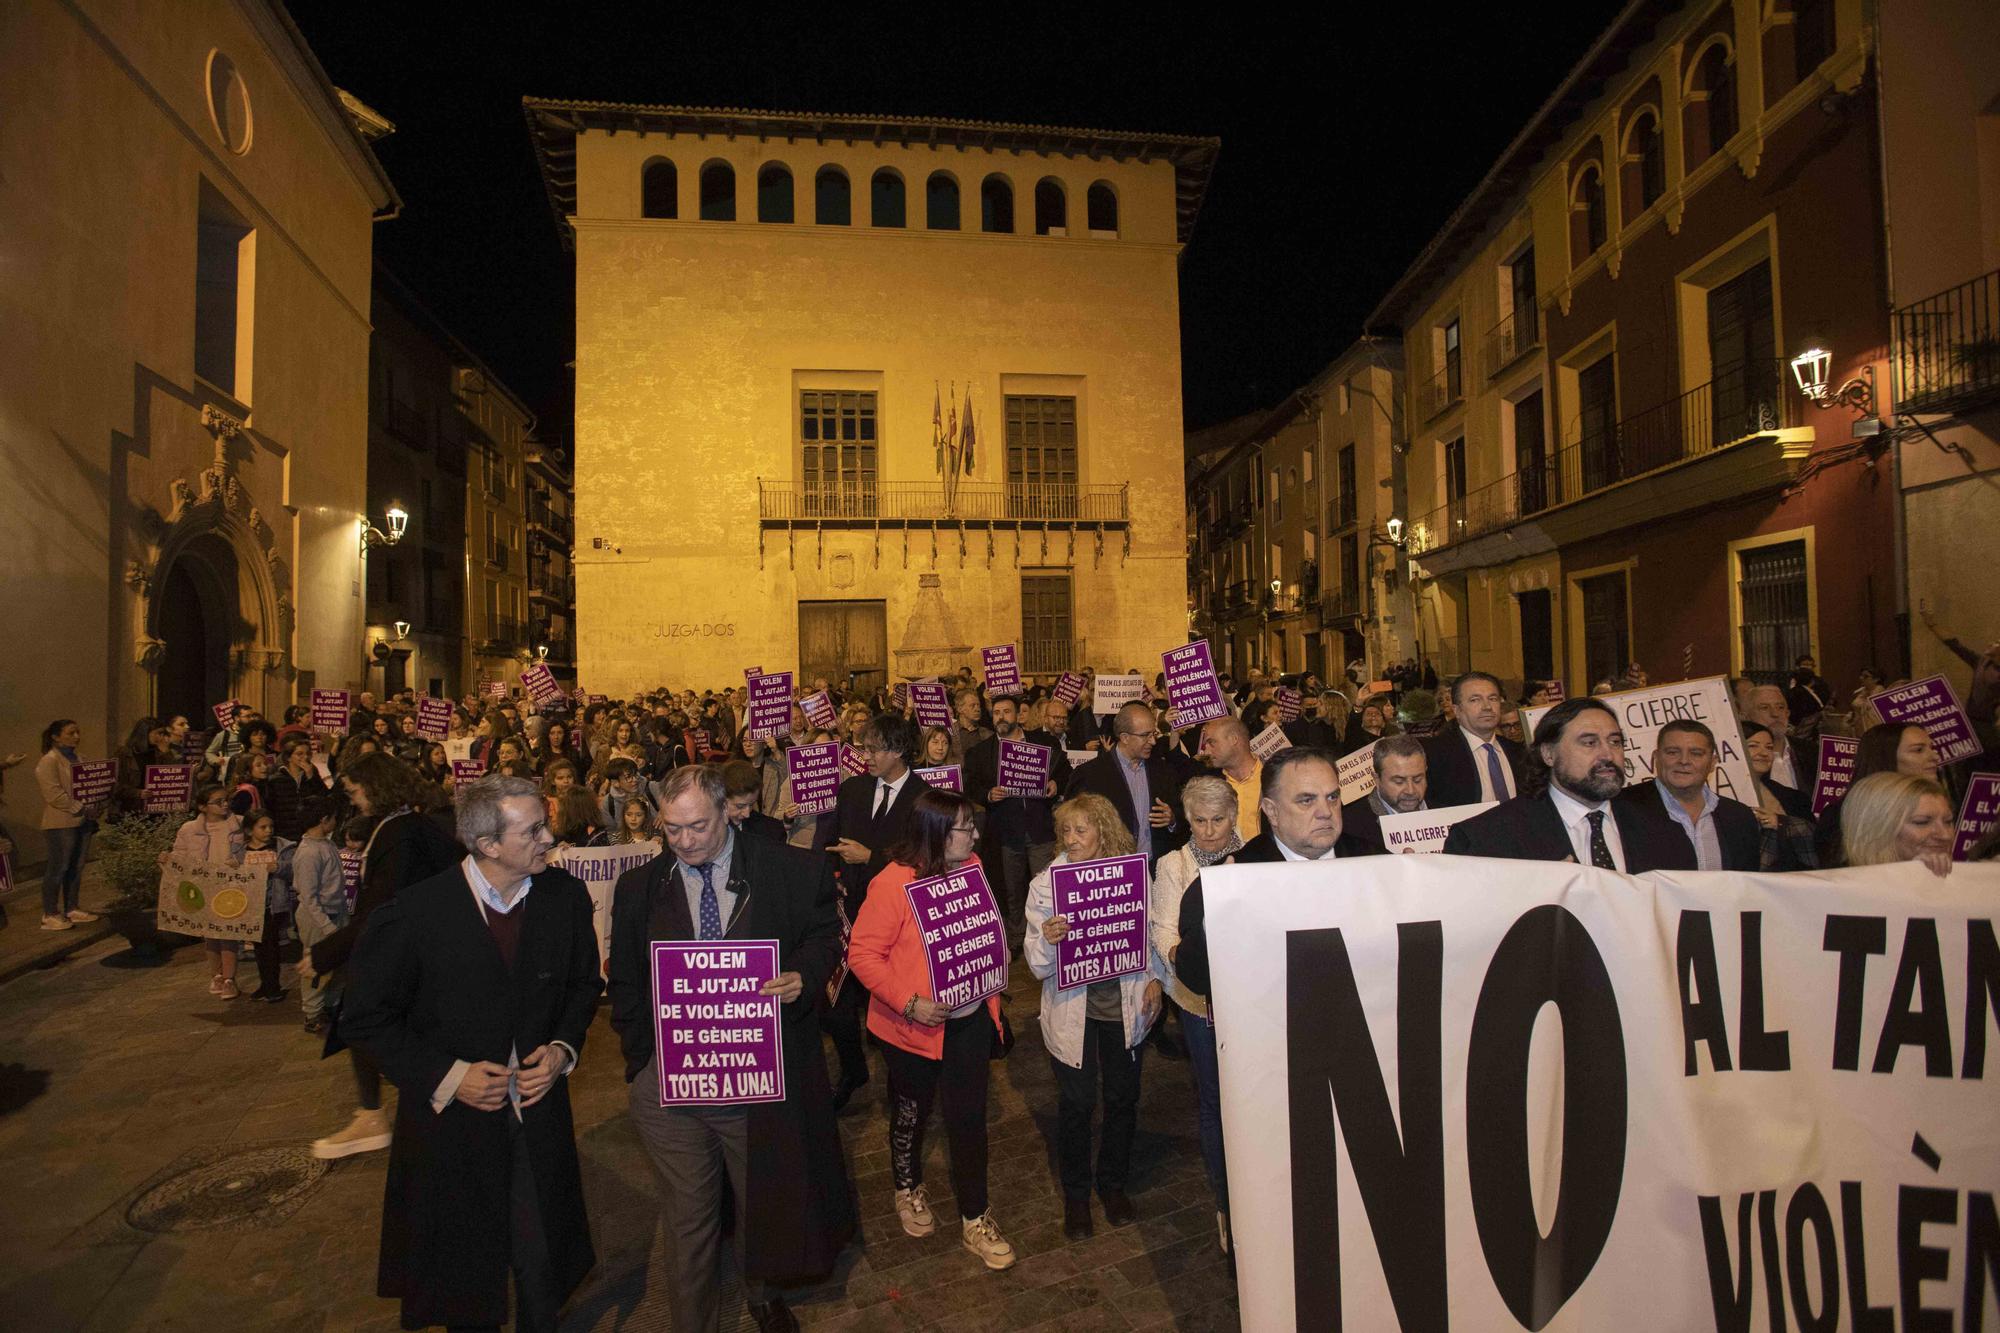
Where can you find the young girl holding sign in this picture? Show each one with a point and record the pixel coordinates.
(216, 835)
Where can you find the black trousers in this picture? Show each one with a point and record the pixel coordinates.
(536, 1303)
(1105, 1060)
(843, 1024)
(961, 1077)
(270, 947)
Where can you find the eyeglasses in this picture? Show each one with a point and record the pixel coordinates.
(1142, 735)
(965, 828)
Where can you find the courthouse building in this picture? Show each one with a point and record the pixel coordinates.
(779, 315)
(184, 400)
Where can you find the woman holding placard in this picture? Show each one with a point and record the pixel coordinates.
(67, 825)
(1095, 1032)
(1889, 748)
(931, 1051)
(214, 834)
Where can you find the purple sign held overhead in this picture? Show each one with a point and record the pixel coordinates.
(1932, 704)
(931, 701)
(467, 770)
(851, 762)
(1069, 688)
(818, 708)
(331, 710)
(433, 718)
(1105, 902)
(352, 863)
(1291, 704)
(1002, 665)
(719, 1042)
(1978, 815)
(965, 943)
(169, 788)
(771, 704)
(1024, 768)
(1837, 755)
(945, 777)
(1193, 692)
(542, 686)
(226, 711)
(815, 773)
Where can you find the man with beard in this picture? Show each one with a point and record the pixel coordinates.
(1021, 828)
(1581, 749)
(1402, 777)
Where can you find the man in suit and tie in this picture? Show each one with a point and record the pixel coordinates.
(871, 815)
(1402, 784)
(781, 1161)
(1725, 833)
(1140, 788)
(1471, 761)
(1582, 746)
(1021, 829)
(472, 991)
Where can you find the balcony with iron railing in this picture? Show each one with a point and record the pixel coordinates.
(892, 504)
(1050, 657)
(544, 519)
(1745, 404)
(1946, 350)
(506, 632)
(1340, 604)
(551, 587)
(1511, 339)
(1444, 390)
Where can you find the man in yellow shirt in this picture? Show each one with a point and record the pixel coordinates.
(1225, 743)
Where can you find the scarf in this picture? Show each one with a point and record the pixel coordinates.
(1203, 860)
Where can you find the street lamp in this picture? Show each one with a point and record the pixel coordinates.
(1395, 526)
(399, 523)
(1810, 369)
(542, 651)
(402, 630)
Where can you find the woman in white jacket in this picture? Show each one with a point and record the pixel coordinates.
(1095, 1033)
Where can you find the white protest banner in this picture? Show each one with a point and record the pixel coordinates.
(214, 900)
(1114, 692)
(1271, 740)
(1641, 713)
(1425, 830)
(1356, 773)
(599, 869)
(1078, 758)
(1498, 1094)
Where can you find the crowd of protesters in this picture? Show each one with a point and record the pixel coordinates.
(349, 823)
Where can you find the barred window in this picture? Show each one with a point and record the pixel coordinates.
(837, 452)
(1041, 456)
(1774, 601)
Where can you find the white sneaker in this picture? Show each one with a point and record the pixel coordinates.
(982, 1236)
(913, 1208)
(56, 923)
(369, 1131)
(80, 915)
(215, 984)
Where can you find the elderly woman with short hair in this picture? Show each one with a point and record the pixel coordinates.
(1211, 811)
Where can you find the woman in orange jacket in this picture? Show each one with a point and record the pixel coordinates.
(930, 1049)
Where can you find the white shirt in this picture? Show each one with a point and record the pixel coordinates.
(1291, 855)
(1573, 814)
(1478, 747)
(895, 789)
(1783, 770)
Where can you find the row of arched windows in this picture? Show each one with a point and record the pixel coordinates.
(833, 206)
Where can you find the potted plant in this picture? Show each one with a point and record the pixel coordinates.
(128, 855)
(1978, 360)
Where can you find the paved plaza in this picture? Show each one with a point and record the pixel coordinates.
(153, 1141)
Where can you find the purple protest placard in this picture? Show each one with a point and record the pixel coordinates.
(91, 780)
(851, 762)
(771, 704)
(351, 863)
(1932, 704)
(1978, 815)
(1069, 688)
(815, 773)
(542, 686)
(493, 689)
(818, 708)
(169, 788)
(931, 701)
(719, 1043)
(965, 942)
(1105, 902)
(1291, 704)
(899, 695)
(467, 770)
(433, 718)
(1002, 667)
(945, 777)
(331, 710)
(193, 746)
(1024, 768)
(226, 711)
(1193, 692)
(1836, 770)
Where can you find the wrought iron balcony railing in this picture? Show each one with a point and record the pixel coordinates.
(1444, 390)
(1947, 348)
(1050, 657)
(1508, 340)
(897, 503)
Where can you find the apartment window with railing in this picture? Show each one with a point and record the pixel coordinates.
(1041, 455)
(1775, 608)
(1454, 485)
(837, 452)
(1453, 376)
(1346, 503)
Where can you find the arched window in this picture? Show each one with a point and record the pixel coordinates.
(885, 199)
(659, 190)
(1589, 211)
(774, 193)
(832, 204)
(996, 204)
(718, 192)
(1716, 77)
(1101, 208)
(941, 202)
(1051, 208)
(1647, 151)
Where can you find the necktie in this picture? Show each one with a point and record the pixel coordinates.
(711, 909)
(882, 802)
(1600, 850)
(1496, 772)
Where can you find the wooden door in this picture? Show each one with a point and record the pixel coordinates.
(846, 642)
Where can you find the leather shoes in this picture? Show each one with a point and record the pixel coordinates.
(1118, 1210)
(1076, 1218)
(844, 1090)
(774, 1316)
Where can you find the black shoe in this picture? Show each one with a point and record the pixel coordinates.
(1118, 1210)
(316, 1026)
(268, 996)
(1168, 1045)
(844, 1090)
(1076, 1218)
(774, 1316)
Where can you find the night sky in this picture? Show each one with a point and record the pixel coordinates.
(1346, 141)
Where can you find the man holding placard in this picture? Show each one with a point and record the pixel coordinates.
(1020, 835)
(781, 1160)
(1139, 787)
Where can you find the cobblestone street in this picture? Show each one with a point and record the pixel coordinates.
(117, 1083)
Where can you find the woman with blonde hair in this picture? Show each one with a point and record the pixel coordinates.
(1096, 1032)
(1889, 818)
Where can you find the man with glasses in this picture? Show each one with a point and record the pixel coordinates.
(1140, 787)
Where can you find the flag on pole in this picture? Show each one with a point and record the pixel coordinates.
(937, 424)
(968, 430)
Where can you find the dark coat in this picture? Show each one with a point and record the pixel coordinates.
(1528, 828)
(1795, 802)
(853, 816)
(1193, 949)
(408, 847)
(1361, 828)
(1015, 819)
(1102, 777)
(799, 1209)
(1736, 826)
(1454, 775)
(757, 824)
(285, 797)
(429, 987)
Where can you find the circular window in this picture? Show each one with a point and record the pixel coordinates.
(228, 103)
